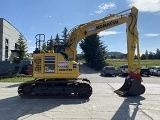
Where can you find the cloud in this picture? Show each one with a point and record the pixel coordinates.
(29, 41)
(151, 35)
(105, 33)
(104, 6)
(146, 5)
(91, 14)
(31, 49)
(62, 24)
(48, 16)
(32, 28)
(77, 13)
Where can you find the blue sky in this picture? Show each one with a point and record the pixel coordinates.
(49, 17)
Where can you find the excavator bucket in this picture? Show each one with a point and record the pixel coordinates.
(131, 87)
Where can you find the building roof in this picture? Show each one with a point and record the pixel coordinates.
(10, 24)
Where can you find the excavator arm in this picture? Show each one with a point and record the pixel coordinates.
(133, 81)
(83, 30)
(128, 16)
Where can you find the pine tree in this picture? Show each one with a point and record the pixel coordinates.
(50, 44)
(146, 53)
(157, 55)
(57, 39)
(94, 51)
(143, 57)
(135, 57)
(21, 48)
(44, 46)
(151, 55)
(65, 35)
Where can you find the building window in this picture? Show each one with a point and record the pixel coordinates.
(16, 46)
(6, 42)
(6, 48)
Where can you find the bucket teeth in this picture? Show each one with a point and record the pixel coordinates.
(121, 93)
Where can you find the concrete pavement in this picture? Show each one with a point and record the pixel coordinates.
(104, 104)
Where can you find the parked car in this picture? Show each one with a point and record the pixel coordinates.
(123, 69)
(109, 71)
(153, 69)
(157, 71)
(145, 71)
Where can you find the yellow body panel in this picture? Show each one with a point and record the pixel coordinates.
(53, 65)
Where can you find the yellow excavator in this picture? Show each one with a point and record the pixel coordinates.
(56, 71)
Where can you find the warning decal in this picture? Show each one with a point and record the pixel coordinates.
(63, 64)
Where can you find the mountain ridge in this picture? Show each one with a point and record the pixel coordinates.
(115, 53)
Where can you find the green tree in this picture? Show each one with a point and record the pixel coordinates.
(94, 51)
(21, 48)
(122, 56)
(65, 35)
(44, 46)
(135, 57)
(151, 55)
(157, 55)
(146, 53)
(113, 57)
(57, 39)
(50, 44)
(143, 57)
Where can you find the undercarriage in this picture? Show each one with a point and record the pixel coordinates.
(56, 88)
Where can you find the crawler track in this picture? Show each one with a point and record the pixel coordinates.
(56, 88)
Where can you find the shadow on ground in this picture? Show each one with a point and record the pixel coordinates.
(15, 107)
(14, 85)
(87, 70)
(124, 112)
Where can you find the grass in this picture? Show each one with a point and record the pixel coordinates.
(16, 79)
(118, 62)
(146, 63)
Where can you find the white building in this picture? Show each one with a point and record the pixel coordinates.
(8, 38)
